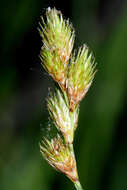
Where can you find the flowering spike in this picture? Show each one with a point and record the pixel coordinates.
(58, 39)
(65, 121)
(80, 76)
(60, 157)
(74, 74)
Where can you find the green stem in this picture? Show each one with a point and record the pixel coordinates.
(78, 185)
(71, 149)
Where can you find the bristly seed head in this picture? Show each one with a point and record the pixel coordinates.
(59, 156)
(65, 121)
(80, 76)
(58, 39)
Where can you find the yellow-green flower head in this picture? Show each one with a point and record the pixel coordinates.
(58, 39)
(65, 121)
(57, 34)
(54, 66)
(80, 76)
(59, 156)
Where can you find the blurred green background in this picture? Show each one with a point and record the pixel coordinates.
(101, 138)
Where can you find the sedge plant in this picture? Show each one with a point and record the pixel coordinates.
(73, 72)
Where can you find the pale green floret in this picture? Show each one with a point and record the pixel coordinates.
(53, 65)
(81, 70)
(65, 121)
(54, 151)
(80, 75)
(59, 156)
(57, 33)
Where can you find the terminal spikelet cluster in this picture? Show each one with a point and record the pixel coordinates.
(58, 39)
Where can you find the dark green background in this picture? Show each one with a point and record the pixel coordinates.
(101, 138)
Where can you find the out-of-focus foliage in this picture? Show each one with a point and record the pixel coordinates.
(101, 136)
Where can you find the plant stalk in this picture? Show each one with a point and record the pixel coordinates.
(77, 183)
(78, 186)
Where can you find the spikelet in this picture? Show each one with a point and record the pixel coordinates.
(80, 76)
(65, 121)
(58, 39)
(59, 156)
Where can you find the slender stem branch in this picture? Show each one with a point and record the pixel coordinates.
(71, 149)
(77, 183)
(78, 186)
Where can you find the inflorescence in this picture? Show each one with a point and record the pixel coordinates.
(74, 73)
